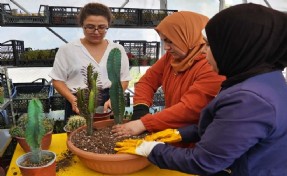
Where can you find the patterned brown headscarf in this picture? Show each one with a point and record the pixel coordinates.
(247, 40)
(184, 30)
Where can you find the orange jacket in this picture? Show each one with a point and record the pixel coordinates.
(186, 93)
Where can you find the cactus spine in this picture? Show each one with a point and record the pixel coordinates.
(116, 90)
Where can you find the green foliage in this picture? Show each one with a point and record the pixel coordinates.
(35, 130)
(116, 90)
(37, 54)
(75, 122)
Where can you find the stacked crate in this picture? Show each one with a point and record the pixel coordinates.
(10, 52)
(140, 52)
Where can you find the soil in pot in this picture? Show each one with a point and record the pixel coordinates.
(102, 141)
(47, 166)
(97, 151)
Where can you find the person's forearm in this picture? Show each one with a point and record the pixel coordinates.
(62, 88)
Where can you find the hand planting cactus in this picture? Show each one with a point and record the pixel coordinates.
(75, 122)
(87, 99)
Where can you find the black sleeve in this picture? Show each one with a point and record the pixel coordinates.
(139, 111)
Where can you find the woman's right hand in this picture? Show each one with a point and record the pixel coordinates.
(73, 102)
(131, 128)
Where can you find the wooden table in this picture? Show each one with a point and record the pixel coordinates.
(77, 168)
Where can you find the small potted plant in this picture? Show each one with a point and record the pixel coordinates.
(74, 122)
(18, 132)
(38, 162)
(152, 61)
(144, 60)
(133, 60)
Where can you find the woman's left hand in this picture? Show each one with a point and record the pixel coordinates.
(131, 128)
(107, 105)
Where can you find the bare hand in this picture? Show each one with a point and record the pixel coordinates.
(128, 129)
(107, 106)
(75, 106)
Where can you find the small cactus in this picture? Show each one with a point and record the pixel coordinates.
(17, 131)
(75, 122)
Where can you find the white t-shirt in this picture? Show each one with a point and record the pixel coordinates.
(71, 59)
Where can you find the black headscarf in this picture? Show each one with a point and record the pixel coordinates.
(247, 40)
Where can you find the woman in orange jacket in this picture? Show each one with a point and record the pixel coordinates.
(187, 79)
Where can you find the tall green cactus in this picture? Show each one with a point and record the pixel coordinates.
(116, 89)
(87, 99)
(35, 130)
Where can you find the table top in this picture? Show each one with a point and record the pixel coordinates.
(77, 168)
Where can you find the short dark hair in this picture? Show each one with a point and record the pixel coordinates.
(94, 9)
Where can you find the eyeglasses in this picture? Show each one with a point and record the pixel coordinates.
(92, 28)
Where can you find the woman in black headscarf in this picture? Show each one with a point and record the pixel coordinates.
(248, 40)
(244, 129)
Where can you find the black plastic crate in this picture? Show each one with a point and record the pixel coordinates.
(152, 17)
(57, 102)
(25, 93)
(125, 16)
(10, 52)
(141, 51)
(8, 18)
(64, 16)
(36, 63)
(37, 82)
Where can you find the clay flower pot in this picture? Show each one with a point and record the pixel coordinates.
(46, 170)
(67, 131)
(120, 164)
(100, 115)
(46, 142)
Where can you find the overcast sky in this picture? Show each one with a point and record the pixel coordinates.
(41, 38)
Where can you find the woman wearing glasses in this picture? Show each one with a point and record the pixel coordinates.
(95, 19)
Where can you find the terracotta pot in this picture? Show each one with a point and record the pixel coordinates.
(99, 115)
(116, 164)
(144, 62)
(67, 131)
(47, 170)
(46, 142)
